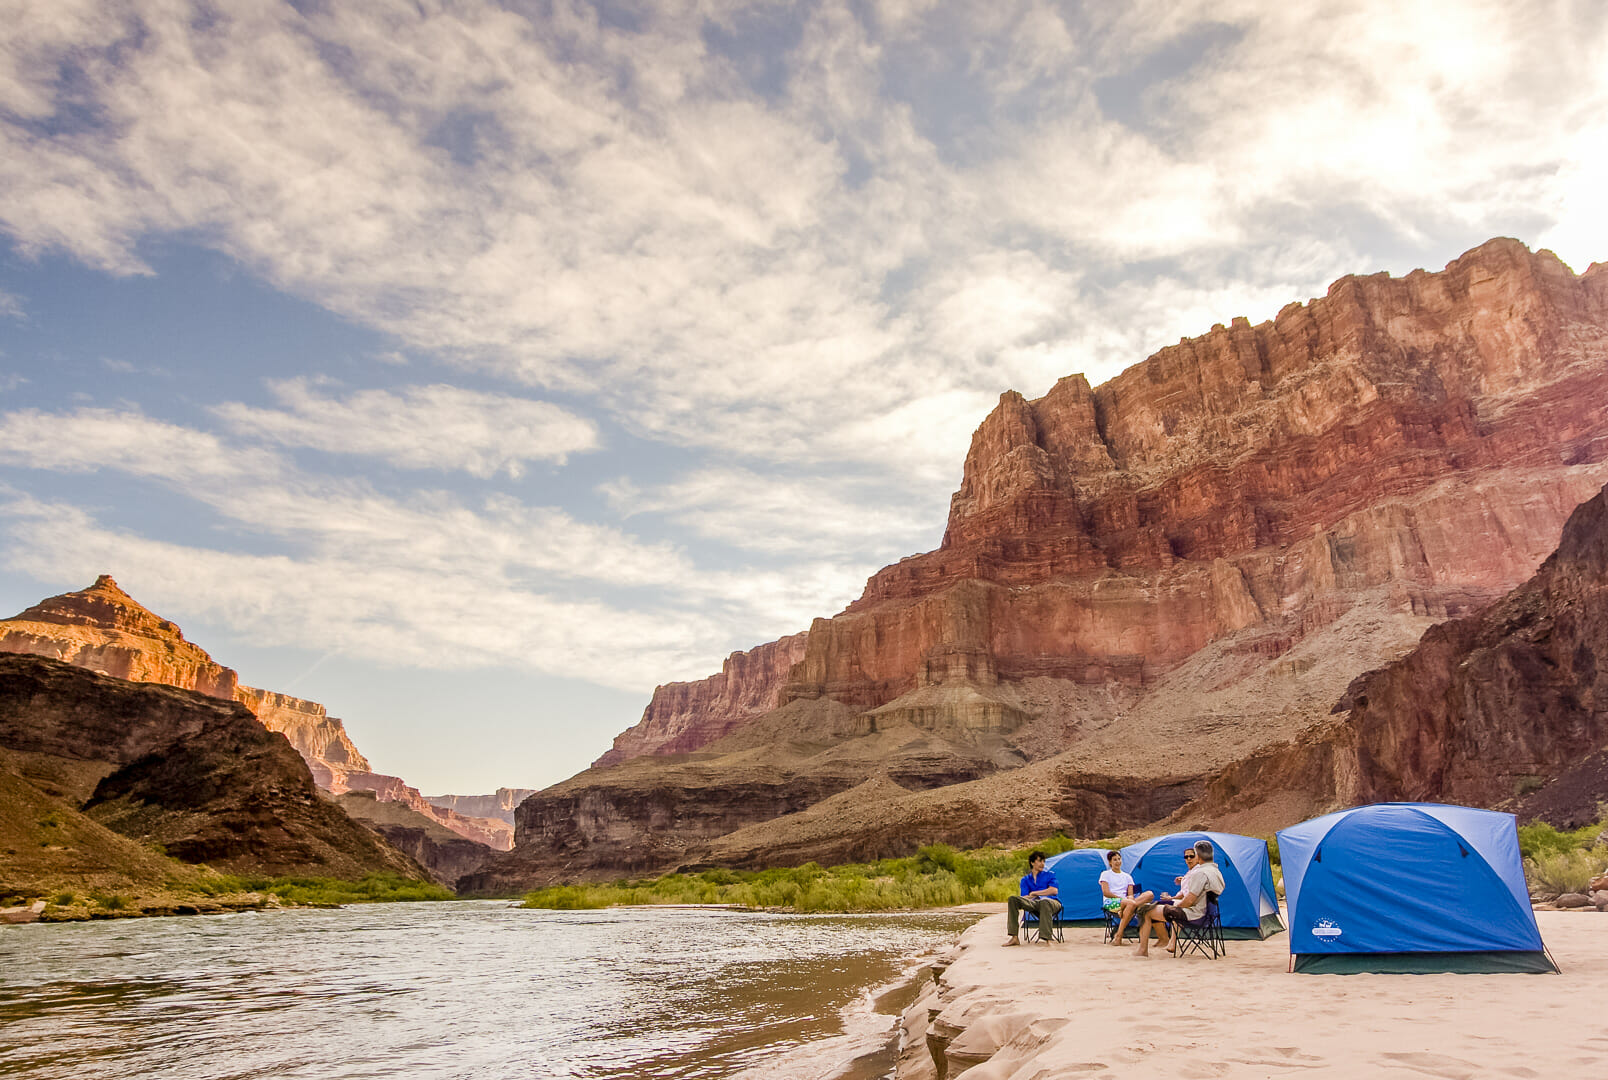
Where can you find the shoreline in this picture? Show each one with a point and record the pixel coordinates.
(1044, 1012)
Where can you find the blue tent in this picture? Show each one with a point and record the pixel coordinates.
(1249, 905)
(1409, 887)
(1077, 883)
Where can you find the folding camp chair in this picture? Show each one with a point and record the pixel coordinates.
(1030, 924)
(1111, 920)
(1204, 935)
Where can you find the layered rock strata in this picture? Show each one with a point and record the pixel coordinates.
(104, 629)
(445, 854)
(1482, 711)
(498, 806)
(685, 716)
(197, 777)
(1162, 575)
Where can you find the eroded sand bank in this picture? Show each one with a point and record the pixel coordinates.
(1081, 1009)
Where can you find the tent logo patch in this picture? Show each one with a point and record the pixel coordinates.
(1325, 929)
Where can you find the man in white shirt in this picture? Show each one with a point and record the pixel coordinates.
(1189, 907)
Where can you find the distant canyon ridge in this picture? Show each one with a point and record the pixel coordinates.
(1153, 594)
(105, 630)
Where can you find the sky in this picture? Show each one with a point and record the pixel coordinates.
(473, 368)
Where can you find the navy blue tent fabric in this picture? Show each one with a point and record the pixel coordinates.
(1249, 905)
(1077, 883)
(1407, 878)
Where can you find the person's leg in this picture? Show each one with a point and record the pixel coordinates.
(1146, 924)
(1047, 908)
(1128, 908)
(1013, 917)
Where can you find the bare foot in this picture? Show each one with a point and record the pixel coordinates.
(1010, 941)
(1144, 953)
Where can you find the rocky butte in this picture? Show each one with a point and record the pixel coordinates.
(104, 629)
(1140, 585)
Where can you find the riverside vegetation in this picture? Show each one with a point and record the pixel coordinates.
(939, 876)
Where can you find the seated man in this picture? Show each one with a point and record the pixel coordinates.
(1204, 878)
(1116, 890)
(1038, 896)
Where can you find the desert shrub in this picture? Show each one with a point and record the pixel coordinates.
(115, 902)
(1538, 839)
(1563, 871)
(62, 899)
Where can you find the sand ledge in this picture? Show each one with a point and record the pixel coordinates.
(1054, 1012)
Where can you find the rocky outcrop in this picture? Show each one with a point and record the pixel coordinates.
(195, 776)
(492, 832)
(1484, 710)
(499, 805)
(104, 629)
(445, 854)
(686, 716)
(319, 738)
(1147, 581)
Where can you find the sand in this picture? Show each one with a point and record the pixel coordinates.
(1082, 1009)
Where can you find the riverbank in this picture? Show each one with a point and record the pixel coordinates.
(1054, 1012)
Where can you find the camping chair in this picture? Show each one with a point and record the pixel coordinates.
(1204, 935)
(1030, 922)
(1111, 920)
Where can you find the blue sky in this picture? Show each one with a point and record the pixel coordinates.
(473, 368)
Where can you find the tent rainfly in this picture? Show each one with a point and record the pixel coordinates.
(1249, 906)
(1077, 883)
(1419, 887)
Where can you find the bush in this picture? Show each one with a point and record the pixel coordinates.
(1539, 838)
(1562, 872)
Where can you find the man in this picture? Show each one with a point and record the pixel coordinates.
(1204, 877)
(1038, 896)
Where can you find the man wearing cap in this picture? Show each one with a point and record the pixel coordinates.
(1190, 906)
(1038, 896)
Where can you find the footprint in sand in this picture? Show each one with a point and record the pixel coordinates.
(1435, 1065)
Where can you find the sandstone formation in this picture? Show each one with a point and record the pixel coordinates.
(498, 806)
(687, 715)
(194, 776)
(1483, 710)
(445, 854)
(104, 629)
(1144, 582)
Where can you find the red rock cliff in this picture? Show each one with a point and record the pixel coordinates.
(1144, 582)
(1428, 433)
(684, 716)
(104, 629)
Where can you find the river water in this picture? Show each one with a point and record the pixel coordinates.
(477, 989)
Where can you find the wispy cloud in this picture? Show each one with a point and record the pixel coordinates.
(420, 427)
(805, 245)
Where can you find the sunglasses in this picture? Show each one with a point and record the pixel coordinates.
(1190, 857)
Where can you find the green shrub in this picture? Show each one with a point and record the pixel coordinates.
(1562, 872)
(1539, 838)
(62, 899)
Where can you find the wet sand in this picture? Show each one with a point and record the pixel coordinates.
(1080, 1009)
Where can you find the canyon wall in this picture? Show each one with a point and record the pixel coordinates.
(499, 805)
(194, 775)
(686, 716)
(103, 629)
(1506, 703)
(1144, 582)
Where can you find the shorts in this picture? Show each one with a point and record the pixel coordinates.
(1110, 903)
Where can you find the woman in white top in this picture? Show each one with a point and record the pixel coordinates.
(1117, 889)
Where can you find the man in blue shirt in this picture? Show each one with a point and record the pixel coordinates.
(1038, 896)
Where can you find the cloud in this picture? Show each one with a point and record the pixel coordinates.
(819, 516)
(430, 579)
(11, 307)
(812, 275)
(420, 427)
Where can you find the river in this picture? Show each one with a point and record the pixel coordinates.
(478, 989)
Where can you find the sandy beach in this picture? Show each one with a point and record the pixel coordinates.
(1079, 1009)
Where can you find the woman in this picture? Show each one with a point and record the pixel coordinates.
(1117, 888)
